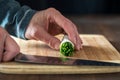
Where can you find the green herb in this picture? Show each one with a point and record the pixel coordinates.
(66, 49)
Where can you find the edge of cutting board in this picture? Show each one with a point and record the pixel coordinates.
(21, 68)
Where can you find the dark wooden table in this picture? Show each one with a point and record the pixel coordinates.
(109, 26)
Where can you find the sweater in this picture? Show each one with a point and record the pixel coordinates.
(15, 18)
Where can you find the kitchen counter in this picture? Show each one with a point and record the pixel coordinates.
(109, 26)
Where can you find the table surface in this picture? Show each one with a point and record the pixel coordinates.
(109, 26)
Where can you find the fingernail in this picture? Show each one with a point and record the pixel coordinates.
(81, 47)
(78, 47)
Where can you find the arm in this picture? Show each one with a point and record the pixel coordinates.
(42, 25)
(15, 18)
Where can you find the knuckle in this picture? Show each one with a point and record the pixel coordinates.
(12, 54)
(34, 32)
(51, 9)
(15, 50)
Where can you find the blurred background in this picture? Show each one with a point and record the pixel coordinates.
(76, 6)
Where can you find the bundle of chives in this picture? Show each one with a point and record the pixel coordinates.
(66, 46)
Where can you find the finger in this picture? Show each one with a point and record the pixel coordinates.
(1, 48)
(54, 29)
(2, 40)
(52, 41)
(69, 28)
(11, 49)
(79, 41)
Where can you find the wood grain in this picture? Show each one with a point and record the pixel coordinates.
(95, 47)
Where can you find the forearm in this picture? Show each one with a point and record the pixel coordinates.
(15, 18)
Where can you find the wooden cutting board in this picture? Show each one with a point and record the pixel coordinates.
(95, 47)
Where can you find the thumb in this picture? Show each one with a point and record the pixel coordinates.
(53, 42)
(2, 40)
(50, 40)
(11, 49)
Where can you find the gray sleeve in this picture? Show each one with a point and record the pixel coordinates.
(15, 18)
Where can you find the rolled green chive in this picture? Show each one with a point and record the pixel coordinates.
(66, 47)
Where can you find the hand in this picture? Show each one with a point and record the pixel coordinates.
(8, 47)
(47, 23)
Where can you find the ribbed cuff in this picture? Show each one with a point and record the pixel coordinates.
(23, 24)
